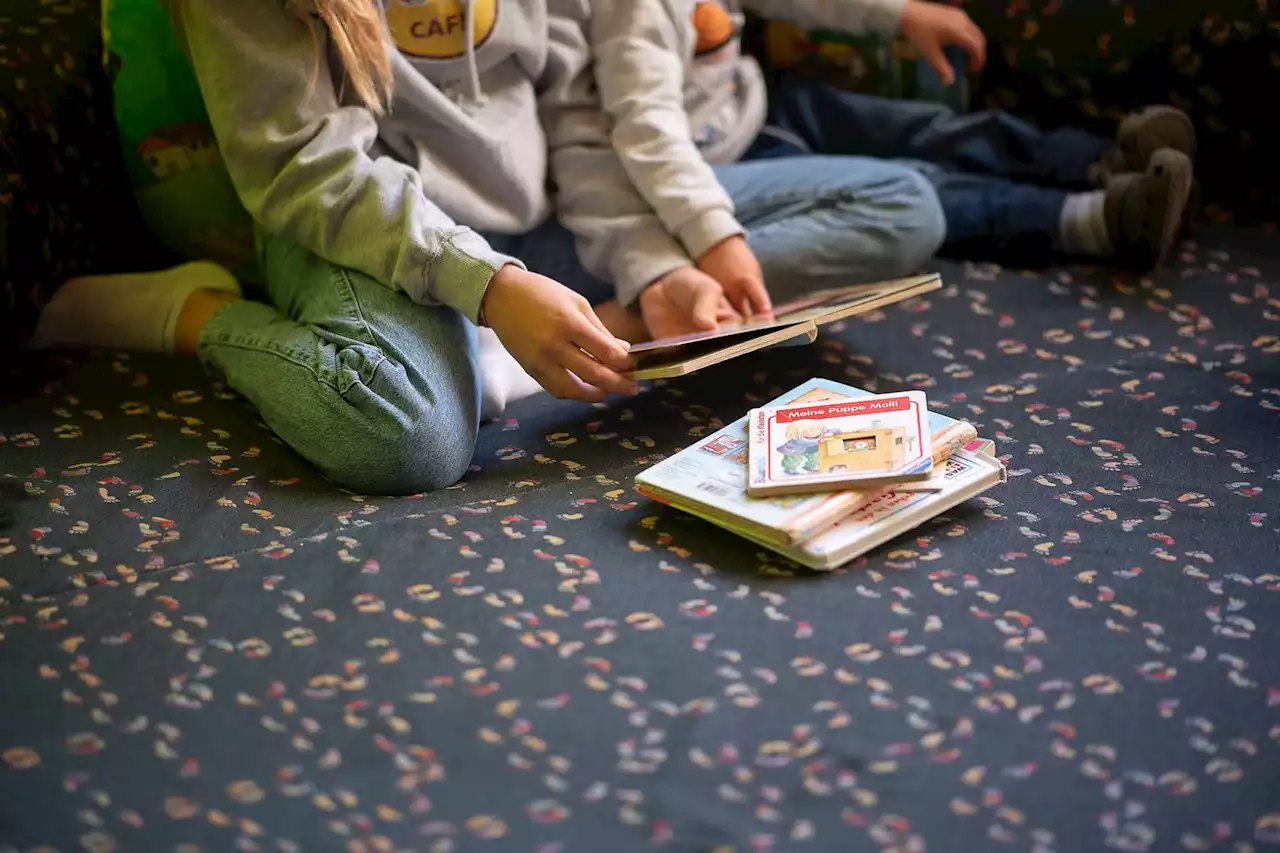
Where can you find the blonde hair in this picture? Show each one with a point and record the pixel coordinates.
(356, 30)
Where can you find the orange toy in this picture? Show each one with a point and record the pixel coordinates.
(714, 26)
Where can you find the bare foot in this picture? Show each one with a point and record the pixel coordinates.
(196, 311)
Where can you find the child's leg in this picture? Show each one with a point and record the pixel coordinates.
(1133, 221)
(167, 310)
(819, 222)
(992, 142)
(995, 219)
(139, 311)
(379, 393)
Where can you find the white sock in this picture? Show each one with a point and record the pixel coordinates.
(1082, 225)
(502, 379)
(133, 311)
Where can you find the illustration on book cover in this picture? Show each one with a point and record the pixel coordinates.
(728, 447)
(815, 448)
(842, 441)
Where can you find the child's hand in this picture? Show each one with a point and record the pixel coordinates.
(685, 301)
(933, 27)
(556, 337)
(732, 263)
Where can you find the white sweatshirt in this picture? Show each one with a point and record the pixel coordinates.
(494, 101)
(683, 96)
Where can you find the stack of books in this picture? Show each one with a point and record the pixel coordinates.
(827, 472)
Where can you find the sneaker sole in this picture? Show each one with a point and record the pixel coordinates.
(1181, 177)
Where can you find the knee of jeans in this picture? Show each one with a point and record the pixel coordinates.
(916, 222)
(398, 445)
(395, 457)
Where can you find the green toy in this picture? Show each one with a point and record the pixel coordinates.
(181, 184)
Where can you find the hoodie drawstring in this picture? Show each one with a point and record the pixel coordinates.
(473, 70)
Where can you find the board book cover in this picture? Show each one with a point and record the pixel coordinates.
(889, 514)
(795, 322)
(839, 444)
(711, 475)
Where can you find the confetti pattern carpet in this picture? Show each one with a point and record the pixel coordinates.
(205, 647)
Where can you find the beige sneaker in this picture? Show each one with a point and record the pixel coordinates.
(1142, 133)
(1144, 211)
(1150, 129)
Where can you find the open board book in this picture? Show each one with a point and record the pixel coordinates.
(795, 322)
(709, 479)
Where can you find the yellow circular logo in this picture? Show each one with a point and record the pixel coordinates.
(714, 26)
(437, 29)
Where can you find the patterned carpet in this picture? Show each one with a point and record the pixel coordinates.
(205, 647)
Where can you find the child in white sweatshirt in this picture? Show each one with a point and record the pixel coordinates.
(396, 158)
(719, 153)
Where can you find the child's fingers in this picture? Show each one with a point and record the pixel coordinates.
(759, 296)
(597, 342)
(727, 314)
(705, 311)
(563, 385)
(938, 62)
(591, 315)
(970, 38)
(595, 374)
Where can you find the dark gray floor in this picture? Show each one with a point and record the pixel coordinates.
(203, 643)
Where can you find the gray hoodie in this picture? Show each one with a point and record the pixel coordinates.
(683, 96)
(480, 126)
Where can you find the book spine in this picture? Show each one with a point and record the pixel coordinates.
(945, 443)
(982, 447)
(953, 438)
(973, 475)
(653, 496)
(757, 448)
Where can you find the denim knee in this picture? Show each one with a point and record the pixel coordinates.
(401, 446)
(847, 220)
(914, 222)
(354, 413)
(379, 393)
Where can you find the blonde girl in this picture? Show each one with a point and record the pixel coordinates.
(396, 160)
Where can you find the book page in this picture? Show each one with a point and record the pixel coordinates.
(681, 361)
(814, 308)
(851, 301)
(722, 335)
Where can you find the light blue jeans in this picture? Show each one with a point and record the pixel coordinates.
(382, 394)
(1001, 182)
(821, 221)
